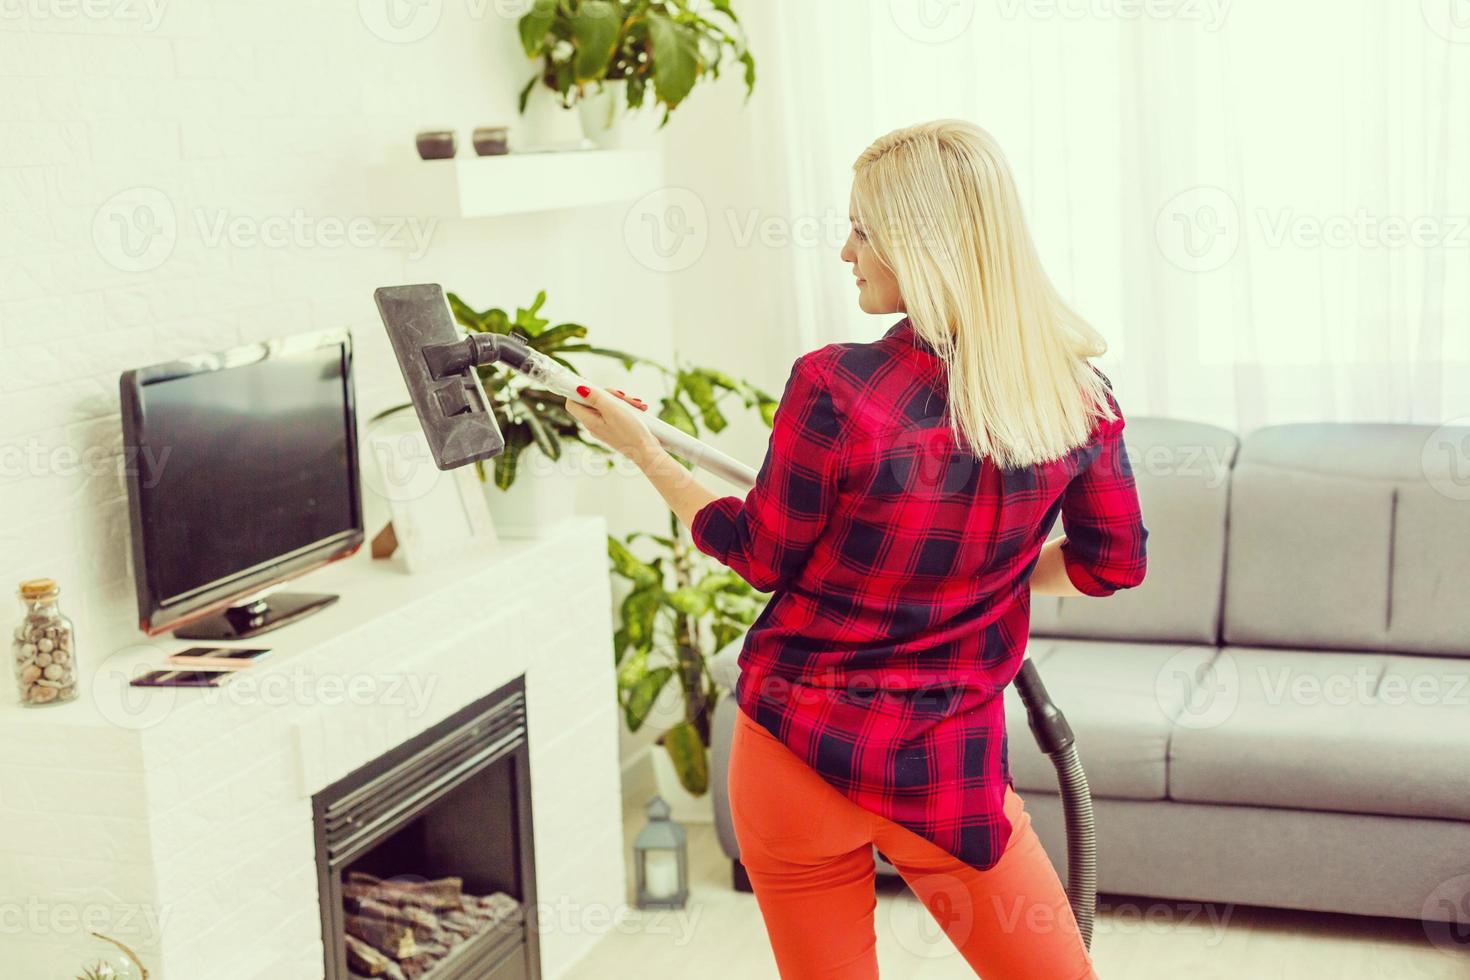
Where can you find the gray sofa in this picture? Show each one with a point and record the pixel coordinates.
(1280, 714)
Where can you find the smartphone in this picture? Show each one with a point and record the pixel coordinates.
(181, 678)
(216, 658)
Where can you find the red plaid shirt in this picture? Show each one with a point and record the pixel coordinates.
(899, 565)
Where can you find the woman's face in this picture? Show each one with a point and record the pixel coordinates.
(876, 284)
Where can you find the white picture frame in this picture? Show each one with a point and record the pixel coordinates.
(438, 516)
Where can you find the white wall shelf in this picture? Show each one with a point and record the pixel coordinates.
(517, 183)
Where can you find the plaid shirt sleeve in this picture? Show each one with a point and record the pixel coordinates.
(1105, 547)
(767, 538)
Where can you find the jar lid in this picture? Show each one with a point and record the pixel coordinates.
(39, 588)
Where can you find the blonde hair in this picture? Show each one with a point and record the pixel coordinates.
(938, 202)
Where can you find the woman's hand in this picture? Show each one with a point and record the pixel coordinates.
(614, 418)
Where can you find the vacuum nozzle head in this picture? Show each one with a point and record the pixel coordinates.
(439, 368)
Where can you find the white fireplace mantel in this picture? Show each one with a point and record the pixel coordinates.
(179, 821)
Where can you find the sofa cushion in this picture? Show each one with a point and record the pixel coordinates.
(1317, 730)
(1348, 537)
(1182, 470)
(1120, 699)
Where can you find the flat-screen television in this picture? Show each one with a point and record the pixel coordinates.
(242, 473)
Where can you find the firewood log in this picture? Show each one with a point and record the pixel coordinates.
(440, 895)
(363, 958)
(423, 922)
(394, 939)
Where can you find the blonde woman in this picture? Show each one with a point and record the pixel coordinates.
(899, 521)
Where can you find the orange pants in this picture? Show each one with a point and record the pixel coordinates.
(809, 853)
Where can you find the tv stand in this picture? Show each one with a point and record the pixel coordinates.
(256, 616)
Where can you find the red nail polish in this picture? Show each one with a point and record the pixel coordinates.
(583, 390)
(620, 391)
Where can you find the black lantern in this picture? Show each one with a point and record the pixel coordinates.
(661, 860)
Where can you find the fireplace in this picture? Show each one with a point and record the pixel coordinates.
(424, 855)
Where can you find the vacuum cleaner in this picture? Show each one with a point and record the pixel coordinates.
(438, 362)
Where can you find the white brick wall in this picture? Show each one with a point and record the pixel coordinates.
(183, 819)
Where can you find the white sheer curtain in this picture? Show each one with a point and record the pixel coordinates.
(1262, 205)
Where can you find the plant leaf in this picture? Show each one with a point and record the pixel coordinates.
(632, 670)
(675, 60)
(643, 694)
(555, 337)
(691, 602)
(667, 542)
(724, 581)
(702, 394)
(691, 762)
(546, 440)
(525, 97)
(639, 610)
(536, 25)
(742, 609)
(719, 379)
(505, 464)
(527, 320)
(629, 566)
(674, 413)
(465, 314)
(628, 359)
(596, 25)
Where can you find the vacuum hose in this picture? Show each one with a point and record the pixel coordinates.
(1054, 736)
(1050, 727)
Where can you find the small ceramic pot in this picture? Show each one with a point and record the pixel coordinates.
(492, 141)
(437, 144)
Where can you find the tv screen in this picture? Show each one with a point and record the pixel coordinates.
(244, 472)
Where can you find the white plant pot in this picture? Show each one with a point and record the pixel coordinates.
(546, 123)
(605, 114)
(684, 806)
(544, 492)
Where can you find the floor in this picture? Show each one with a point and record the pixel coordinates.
(720, 934)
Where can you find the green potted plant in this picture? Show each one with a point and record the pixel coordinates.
(535, 423)
(611, 57)
(682, 606)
